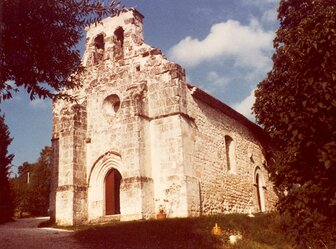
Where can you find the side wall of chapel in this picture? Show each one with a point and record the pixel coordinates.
(226, 188)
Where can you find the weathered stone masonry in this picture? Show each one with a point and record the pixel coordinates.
(159, 142)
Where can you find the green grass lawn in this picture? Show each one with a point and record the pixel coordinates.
(263, 232)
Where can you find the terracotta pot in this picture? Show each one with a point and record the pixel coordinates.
(161, 216)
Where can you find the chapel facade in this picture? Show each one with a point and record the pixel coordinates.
(140, 139)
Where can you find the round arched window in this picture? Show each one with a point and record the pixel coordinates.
(111, 104)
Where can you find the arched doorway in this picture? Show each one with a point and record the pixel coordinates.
(112, 192)
(100, 171)
(260, 184)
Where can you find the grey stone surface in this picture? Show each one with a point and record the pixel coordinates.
(23, 233)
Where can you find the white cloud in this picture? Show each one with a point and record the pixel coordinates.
(215, 79)
(245, 106)
(268, 9)
(269, 16)
(40, 104)
(246, 45)
(215, 82)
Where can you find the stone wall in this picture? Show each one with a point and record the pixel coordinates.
(69, 187)
(223, 190)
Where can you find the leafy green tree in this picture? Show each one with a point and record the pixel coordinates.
(40, 182)
(296, 105)
(32, 186)
(22, 189)
(6, 201)
(38, 43)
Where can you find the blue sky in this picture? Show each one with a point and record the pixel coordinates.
(224, 45)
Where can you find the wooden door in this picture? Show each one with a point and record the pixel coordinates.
(112, 192)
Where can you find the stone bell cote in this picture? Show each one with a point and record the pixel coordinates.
(113, 38)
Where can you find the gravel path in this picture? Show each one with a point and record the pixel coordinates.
(24, 233)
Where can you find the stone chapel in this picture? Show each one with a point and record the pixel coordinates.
(141, 140)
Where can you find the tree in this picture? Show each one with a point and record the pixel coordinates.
(32, 186)
(40, 182)
(296, 106)
(6, 202)
(22, 189)
(38, 41)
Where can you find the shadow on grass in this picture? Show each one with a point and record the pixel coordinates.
(46, 223)
(263, 231)
(4, 221)
(169, 234)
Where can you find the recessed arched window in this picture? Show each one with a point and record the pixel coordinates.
(111, 104)
(259, 183)
(230, 154)
(99, 42)
(119, 34)
(99, 47)
(118, 39)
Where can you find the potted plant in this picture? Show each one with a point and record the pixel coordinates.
(161, 214)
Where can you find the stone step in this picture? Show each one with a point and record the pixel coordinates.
(106, 219)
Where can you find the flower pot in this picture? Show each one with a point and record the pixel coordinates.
(161, 216)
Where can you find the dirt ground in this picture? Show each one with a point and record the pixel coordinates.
(24, 233)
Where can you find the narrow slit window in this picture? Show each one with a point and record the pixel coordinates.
(229, 150)
(259, 183)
